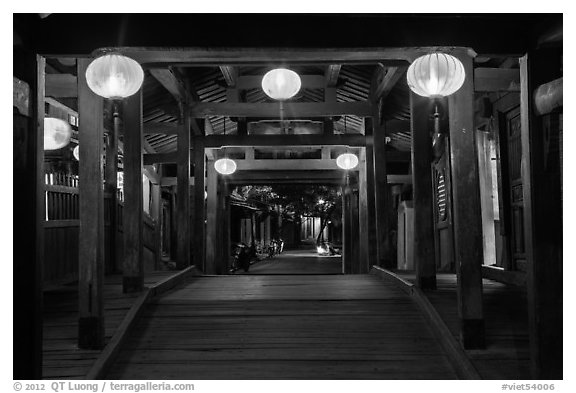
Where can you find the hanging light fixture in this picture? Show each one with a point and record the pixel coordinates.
(281, 83)
(76, 152)
(347, 160)
(436, 75)
(225, 166)
(57, 133)
(114, 76)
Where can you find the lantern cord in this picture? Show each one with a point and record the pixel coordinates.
(224, 118)
(436, 120)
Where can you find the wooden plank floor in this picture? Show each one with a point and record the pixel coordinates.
(61, 357)
(506, 319)
(283, 327)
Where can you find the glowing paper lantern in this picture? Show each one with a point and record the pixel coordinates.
(57, 133)
(114, 76)
(435, 75)
(225, 166)
(76, 152)
(281, 83)
(347, 161)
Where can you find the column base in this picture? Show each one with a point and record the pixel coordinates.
(91, 332)
(473, 333)
(132, 284)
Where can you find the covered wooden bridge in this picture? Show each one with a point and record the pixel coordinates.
(451, 221)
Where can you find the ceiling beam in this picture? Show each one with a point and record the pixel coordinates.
(496, 79)
(172, 181)
(280, 141)
(383, 80)
(161, 128)
(286, 164)
(332, 73)
(306, 163)
(159, 158)
(281, 110)
(61, 86)
(301, 177)
(246, 82)
(248, 56)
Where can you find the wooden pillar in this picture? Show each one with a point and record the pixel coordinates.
(370, 195)
(28, 228)
(133, 267)
(225, 208)
(111, 181)
(347, 254)
(199, 228)
(211, 219)
(542, 194)
(155, 213)
(424, 260)
(364, 219)
(173, 227)
(91, 236)
(183, 193)
(381, 200)
(354, 227)
(466, 210)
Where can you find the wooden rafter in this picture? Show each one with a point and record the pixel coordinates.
(383, 80)
(230, 74)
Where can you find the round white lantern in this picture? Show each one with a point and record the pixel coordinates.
(57, 133)
(225, 166)
(281, 83)
(435, 75)
(76, 152)
(347, 161)
(114, 76)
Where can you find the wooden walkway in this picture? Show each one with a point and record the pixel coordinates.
(61, 357)
(506, 319)
(283, 327)
(303, 260)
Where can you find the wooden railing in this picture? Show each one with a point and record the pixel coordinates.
(62, 225)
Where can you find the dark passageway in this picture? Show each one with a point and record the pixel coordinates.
(298, 260)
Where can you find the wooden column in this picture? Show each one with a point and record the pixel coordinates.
(28, 227)
(347, 254)
(199, 228)
(211, 219)
(111, 180)
(381, 200)
(91, 214)
(366, 251)
(133, 267)
(183, 193)
(369, 196)
(354, 228)
(155, 213)
(466, 210)
(424, 260)
(542, 193)
(225, 220)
